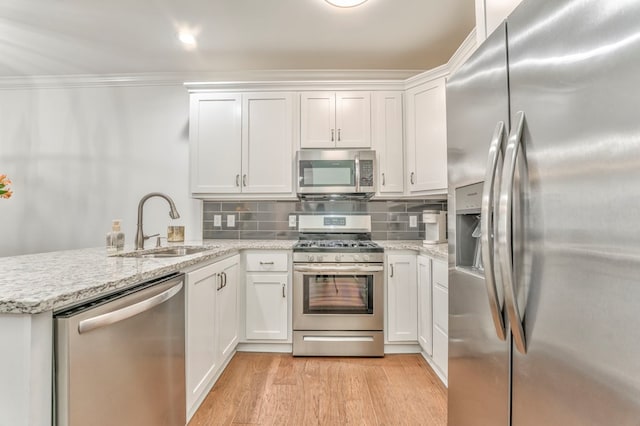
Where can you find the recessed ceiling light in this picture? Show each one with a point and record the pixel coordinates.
(187, 38)
(345, 3)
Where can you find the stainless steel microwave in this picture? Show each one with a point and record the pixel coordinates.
(323, 173)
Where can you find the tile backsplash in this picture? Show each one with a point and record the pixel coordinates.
(269, 220)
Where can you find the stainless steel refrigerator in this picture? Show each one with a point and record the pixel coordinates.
(544, 219)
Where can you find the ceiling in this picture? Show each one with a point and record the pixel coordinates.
(69, 37)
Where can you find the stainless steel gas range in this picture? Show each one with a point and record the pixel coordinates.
(338, 304)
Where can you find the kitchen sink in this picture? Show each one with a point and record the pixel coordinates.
(176, 251)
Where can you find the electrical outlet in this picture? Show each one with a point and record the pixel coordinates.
(413, 221)
(217, 220)
(231, 221)
(292, 220)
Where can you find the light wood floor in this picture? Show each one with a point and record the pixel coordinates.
(278, 389)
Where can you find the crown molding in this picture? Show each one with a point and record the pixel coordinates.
(468, 46)
(266, 78)
(255, 80)
(433, 74)
(293, 85)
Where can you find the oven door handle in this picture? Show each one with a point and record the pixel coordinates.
(329, 269)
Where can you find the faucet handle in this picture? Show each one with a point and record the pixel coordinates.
(158, 242)
(146, 237)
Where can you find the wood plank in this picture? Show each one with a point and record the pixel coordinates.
(270, 389)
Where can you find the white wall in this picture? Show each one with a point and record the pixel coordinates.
(80, 157)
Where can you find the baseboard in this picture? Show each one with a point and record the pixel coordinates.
(403, 348)
(265, 347)
(435, 368)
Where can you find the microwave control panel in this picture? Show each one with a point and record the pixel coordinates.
(366, 173)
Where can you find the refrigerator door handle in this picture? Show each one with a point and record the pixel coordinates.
(504, 233)
(487, 219)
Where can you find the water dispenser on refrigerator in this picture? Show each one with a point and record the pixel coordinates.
(468, 202)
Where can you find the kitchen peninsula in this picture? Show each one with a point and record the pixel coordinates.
(33, 286)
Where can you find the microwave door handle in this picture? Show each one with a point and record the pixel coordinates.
(357, 161)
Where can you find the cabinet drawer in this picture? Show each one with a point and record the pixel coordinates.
(441, 307)
(263, 262)
(440, 273)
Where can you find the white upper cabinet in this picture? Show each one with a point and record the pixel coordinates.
(490, 14)
(388, 141)
(335, 119)
(242, 143)
(426, 138)
(215, 130)
(267, 143)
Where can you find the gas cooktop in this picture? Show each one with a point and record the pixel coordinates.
(319, 245)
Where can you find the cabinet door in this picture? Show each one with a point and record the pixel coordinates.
(201, 350)
(227, 309)
(318, 120)
(215, 142)
(266, 303)
(353, 120)
(267, 143)
(427, 137)
(388, 141)
(440, 314)
(425, 321)
(402, 298)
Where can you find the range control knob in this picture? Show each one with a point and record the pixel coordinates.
(338, 258)
(356, 258)
(365, 258)
(310, 258)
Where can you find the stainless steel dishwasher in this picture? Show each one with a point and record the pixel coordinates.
(120, 360)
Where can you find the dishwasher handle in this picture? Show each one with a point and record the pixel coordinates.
(129, 311)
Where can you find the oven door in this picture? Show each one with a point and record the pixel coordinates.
(338, 297)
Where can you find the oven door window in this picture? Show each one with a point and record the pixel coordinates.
(338, 294)
(322, 173)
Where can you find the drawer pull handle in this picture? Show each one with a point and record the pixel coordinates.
(266, 263)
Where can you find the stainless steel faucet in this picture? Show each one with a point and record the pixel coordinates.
(173, 213)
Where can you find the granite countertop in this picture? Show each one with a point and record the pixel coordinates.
(439, 251)
(36, 283)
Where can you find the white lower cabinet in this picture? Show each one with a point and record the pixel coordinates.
(440, 293)
(266, 306)
(227, 308)
(211, 325)
(425, 311)
(267, 295)
(402, 298)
